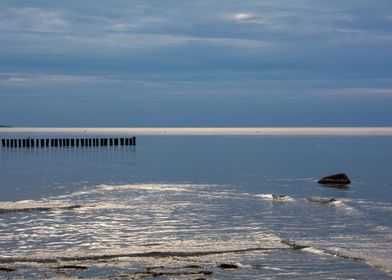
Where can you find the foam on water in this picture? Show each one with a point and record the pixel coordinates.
(276, 197)
(144, 221)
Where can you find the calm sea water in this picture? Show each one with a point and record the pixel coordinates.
(176, 207)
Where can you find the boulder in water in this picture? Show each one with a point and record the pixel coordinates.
(321, 200)
(279, 196)
(294, 245)
(336, 179)
(228, 266)
(7, 269)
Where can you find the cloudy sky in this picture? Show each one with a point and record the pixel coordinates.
(196, 63)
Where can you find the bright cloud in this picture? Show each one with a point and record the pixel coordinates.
(242, 16)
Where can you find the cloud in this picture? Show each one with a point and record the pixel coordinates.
(242, 16)
(28, 80)
(31, 19)
(369, 92)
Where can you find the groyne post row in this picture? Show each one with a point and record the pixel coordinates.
(67, 142)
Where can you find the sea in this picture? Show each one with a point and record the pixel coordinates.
(197, 203)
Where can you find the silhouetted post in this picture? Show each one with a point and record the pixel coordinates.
(134, 140)
(12, 143)
(47, 143)
(52, 142)
(111, 142)
(121, 141)
(31, 143)
(115, 141)
(3, 143)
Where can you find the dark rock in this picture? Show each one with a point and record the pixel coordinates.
(194, 266)
(72, 266)
(293, 245)
(7, 269)
(279, 196)
(337, 179)
(228, 266)
(321, 200)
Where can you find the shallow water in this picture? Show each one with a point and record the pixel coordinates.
(179, 206)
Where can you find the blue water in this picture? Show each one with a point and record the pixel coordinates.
(192, 194)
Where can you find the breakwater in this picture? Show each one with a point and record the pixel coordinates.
(66, 142)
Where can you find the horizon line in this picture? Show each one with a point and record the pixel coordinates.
(178, 131)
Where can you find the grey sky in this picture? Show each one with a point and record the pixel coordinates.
(196, 63)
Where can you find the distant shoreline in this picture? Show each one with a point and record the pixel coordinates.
(184, 131)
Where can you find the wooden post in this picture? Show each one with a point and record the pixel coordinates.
(121, 141)
(31, 143)
(3, 143)
(47, 142)
(134, 140)
(37, 143)
(115, 141)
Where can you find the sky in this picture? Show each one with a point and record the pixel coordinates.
(200, 63)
